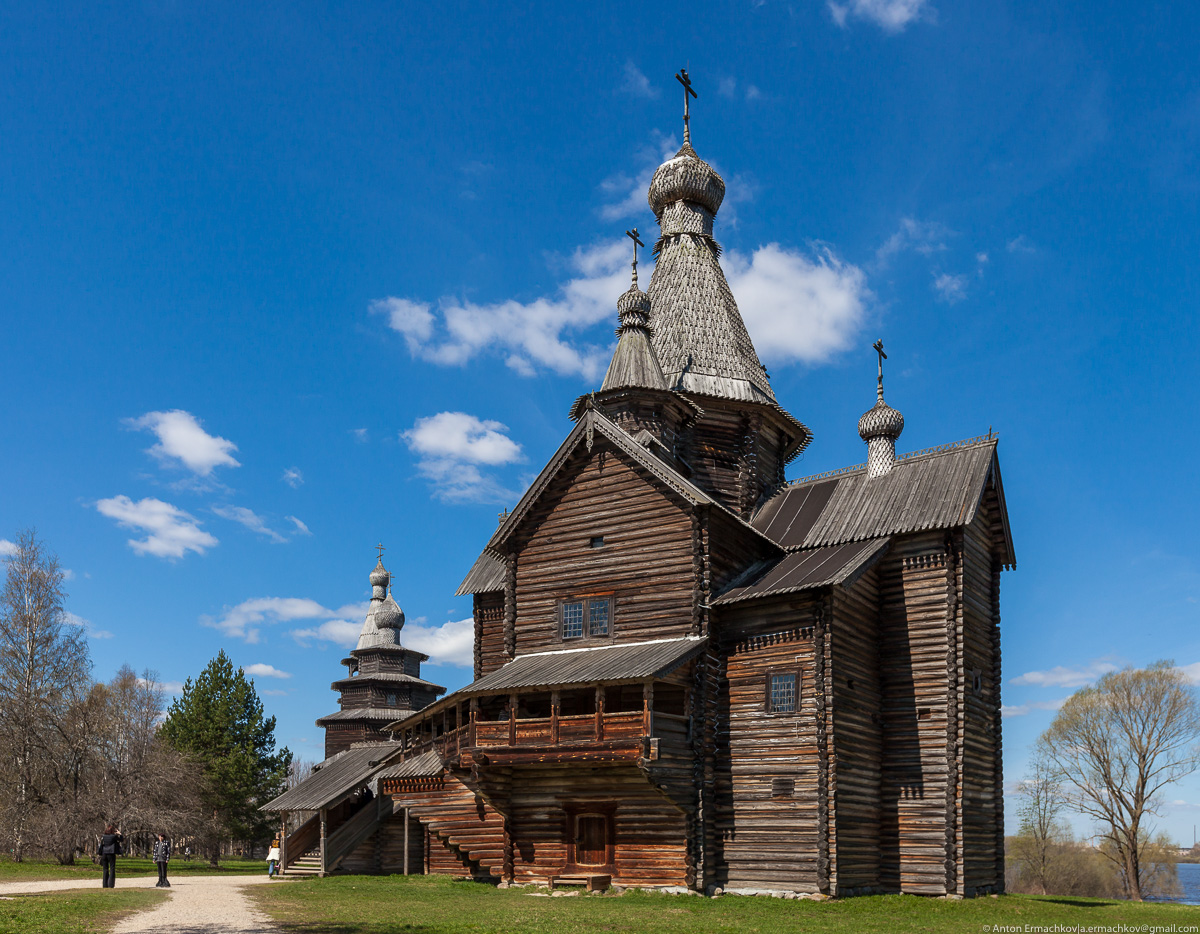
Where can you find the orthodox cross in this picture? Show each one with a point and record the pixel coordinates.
(878, 345)
(381, 550)
(683, 79)
(633, 235)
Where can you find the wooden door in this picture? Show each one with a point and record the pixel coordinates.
(591, 840)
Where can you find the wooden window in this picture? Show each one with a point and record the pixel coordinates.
(586, 617)
(596, 541)
(782, 693)
(391, 700)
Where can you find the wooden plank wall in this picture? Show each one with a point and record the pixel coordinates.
(650, 846)
(489, 633)
(916, 707)
(770, 834)
(383, 851)
(857, 735)
(646, 560)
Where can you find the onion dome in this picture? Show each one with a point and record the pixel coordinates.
(634, 364)
(388, 614)
(880, 421)
(686, 177)
(380, 577)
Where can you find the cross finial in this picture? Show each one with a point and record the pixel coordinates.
(682, 78)
(381, 550)
(878, 345)
(633, 235)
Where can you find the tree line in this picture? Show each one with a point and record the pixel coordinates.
(76, 754)
(1109, 755)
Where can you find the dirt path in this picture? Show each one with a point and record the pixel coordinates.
(197, 904)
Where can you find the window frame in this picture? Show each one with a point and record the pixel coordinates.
(767, 704)
(586, 600)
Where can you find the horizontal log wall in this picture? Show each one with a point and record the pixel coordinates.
(650, 845)
(489, 633)
(468, 834)
(645, 562)
(383, 851)
(857, 734)
(768, 806)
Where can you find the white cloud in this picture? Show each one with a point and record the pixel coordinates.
(360, 434)
(72, 619)
(250, 519)
(890, 15)
(1021, 244)
(293, 477)
(180, 438)
(338, 631)
(1063, 677)
(261, 670)
(797, 307)
(981, 258)
(1191, 672)
(924, 237)
(301, 528)
(950, 289)
(272, 692)
(626, 194)
(727, 87)
(451, 643)
(1020, 710)
(172, 532)
(637, 84)
(7, 548)
(752, 92)
(527, 335)
(452, 445)
(241, 621)
(67, 573)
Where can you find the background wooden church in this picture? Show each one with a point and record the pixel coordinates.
(688, 671)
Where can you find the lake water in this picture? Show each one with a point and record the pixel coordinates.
(1189, 881)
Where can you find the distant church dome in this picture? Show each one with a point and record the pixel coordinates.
(686, 177)
(380, 577)
(388, 614)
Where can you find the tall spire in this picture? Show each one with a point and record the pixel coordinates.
(880, 427)
(634, 365)
(699, 335)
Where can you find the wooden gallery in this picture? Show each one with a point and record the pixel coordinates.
(689, 671)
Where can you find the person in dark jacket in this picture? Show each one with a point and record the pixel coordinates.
(162, 855)
(110, 849)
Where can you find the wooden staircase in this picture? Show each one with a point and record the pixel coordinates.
(307, 865)
(465, 824)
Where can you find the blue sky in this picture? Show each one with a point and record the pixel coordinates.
(279, 283)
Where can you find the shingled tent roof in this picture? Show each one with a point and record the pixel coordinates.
(335, 778)
(940, 488)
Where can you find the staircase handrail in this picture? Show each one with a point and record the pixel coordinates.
(301, 840)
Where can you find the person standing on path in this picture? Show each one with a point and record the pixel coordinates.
(273, 859)
(110, 849)
(162, 855)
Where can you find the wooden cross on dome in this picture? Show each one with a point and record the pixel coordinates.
(633, 235)
(682, 78)
(381, 550)
(878, 345)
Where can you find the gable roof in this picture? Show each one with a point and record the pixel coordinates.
(486, 576)
(335, 778)
(936, 489)
(807, 569)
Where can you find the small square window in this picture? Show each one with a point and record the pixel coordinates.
(597, 541)
(391, 700)
(781, 693)
(572, 620)
(598, 613)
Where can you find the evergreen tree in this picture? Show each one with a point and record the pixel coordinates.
(218, 722)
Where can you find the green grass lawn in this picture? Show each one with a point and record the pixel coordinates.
(433, 905)
(36, 870)
(82, 912)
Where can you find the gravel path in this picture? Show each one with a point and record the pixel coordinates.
(197, 904)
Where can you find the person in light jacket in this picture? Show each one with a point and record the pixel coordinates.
(110, 849)
(273, 859)
(162, 856)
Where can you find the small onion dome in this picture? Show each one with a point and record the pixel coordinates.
(389, 615)
(380, 577)
(634, 308)
(686, 177)
(881, 421)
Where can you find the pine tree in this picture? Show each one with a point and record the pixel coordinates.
(218, 722)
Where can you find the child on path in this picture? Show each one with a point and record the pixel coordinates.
(273, 859)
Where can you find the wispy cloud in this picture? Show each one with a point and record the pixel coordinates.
(338, 631)
(300, 527)
(244, 620)
(1191, 672)
(452, 446)
(72, 619)
(360, 435)
(182, 440)
(452, 643)
(889, 15)
(625, 195)
(171, 531)
(637, 84)
(798, 307)
(262, 670)
(728, 88)
(1062, 677)
(950, 289)
(924, 237)
(251, 520)
(1020, 710)
(7, 548)
(1020, 244)
(293, 477)
(528, 335)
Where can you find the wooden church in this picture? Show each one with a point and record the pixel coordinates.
(689, 671)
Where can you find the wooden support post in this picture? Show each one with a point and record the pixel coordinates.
(599, 712)
(474, 715)
(648, 708)
(512, 719)
(407, 820)
(324, 814)
(555, 696)
(283, 843)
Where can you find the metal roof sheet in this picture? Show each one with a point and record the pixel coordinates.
(806, 570)
(423, 766)
(938, 489)
(334, 778)
(616, 662)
